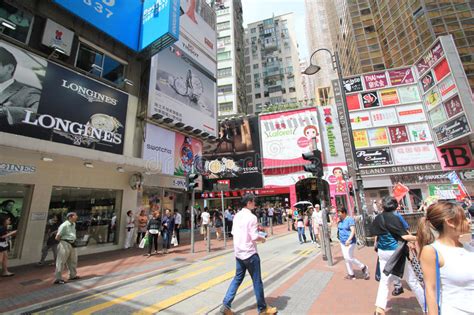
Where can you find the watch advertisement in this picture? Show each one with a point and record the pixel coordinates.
(46, 101)
(235, 155)
(452, 130)
(374, 157)
(182, 90)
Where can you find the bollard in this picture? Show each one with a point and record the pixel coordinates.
(271, 225)
(208, 235)
(326, 237)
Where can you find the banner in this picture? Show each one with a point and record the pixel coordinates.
(452, 130)
(438, 116)
(56, 35)
(333, 147)
(427, 82)
(414, 154)
(334, 175)
(360, 120)
(378, 137)
(401, 76)
(399, 191)
(411, 113)
(159, 149)
(375, 80)
(398, 134)
(454, 179)
(447, 88)
(361, 139)
(188, 155)
(374, 157)
(445, 191)
(429, 58)
(47, 101)
(384, 117)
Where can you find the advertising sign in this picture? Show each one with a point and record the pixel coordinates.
(56, 35)
(378, 137)
(414, 154)
(384, 117)
(452, 130)
(427, 82)
(353, 85)
(335, 177)
(456, 157)
(333, 147)
(235, 156)
(375, 81)
(374, 157)
(432, 98)
(370, 100)
(159, 23)
(437, 116)
(441, 69)
(419, 132)
(182, 90)
(398, 134)
(429, 58)
(389, 97)
(401, 76)
(453, 106)
(444, 191)
(353, 101)
(447, 88)
(411, 113)
(287, 135)
(159, 149)
(361, 139)
(188, 154)
(360, 120)
(34, 105)
(409, 94)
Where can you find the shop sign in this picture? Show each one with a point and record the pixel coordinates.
(331, 133)
(409, 94)
(444, 191)
(452, 130)
(447, 87)
(374, 157)
(179, 183)
(411, 113)
(437, 116)
(419, 132)
(398, 134)
(158, 150)
(370, 99)
(466, 175)
(401, 76)
(285, 180)
(432, 98)
(353, 102)
(360, 120)
(375, 80)
(352, 85)
(415, 153)
(453, 106)
(39, 216)
(378, 137)
(437, 177)
(427, 82)
(441, 69)
(34, 105)
(9, 169)
(384, 117)
(56, 35)
(456, 157)
(360, 138)
(389, 97)
(430, 58)
(401, 169)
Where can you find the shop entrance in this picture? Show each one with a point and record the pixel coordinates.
(308, 190)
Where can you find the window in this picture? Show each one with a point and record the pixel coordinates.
(258, 95)
(224, 89)
(221, 41)
(100, 64)
(225, 72)
(226, 107)
(256, 76)
(291, 89)
(365, 11)
(258, 107)
(223, 26)
(253, 30)
(255, 66)
(16, 23)
(369, 29)
(223, 56)
(257, 85)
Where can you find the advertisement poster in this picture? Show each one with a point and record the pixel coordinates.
(360, 120)
(361, 139)
(384, 117)
(335, 178)
(432, 98)
(444, 191)
(353, 101)
(409, 94)
(375, 81)
(427, 82)
(182, 90)
(438, 116)
(398, 134)
(287, 135)
(33, 105)
(333, 146)
(441, 70)
(414, 154)
(159, 149)
(453, 106)
(411, 113)
(378, 137)
(389, 97)
(56, 35)
(353, 85)
(401, 76)
(374, 157)
(188, 154)
(419, 132)
(430, 58)
(447, 87)
(235, 156)
(452, 130)
(455, 157)
(370, 100)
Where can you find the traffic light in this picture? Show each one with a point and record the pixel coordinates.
(316, 166)
(191, 181)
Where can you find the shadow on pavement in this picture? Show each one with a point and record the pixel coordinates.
(280, 303)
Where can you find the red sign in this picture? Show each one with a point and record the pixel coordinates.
(455, 157)
(453, 106)
(224, 181)
(430, 58)
(401, 76)
(375, 81)
(399, 191)
(353, 102)
(398, 134)
(441, 70)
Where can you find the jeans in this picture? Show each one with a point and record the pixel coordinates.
(301, 235)
(166, 239)
(311, 233)
(252, 264)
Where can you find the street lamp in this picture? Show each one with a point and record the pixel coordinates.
(336, 65)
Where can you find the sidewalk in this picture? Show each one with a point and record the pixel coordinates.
(33, 284)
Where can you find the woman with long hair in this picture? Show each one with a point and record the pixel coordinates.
(5, 235)
(447, 261)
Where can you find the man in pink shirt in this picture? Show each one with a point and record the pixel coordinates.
(245, 235)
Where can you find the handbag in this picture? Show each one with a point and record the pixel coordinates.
(438, 285)
(415, 264)
(174, 240)
(143, 242)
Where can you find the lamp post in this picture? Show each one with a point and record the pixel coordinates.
(313, 69)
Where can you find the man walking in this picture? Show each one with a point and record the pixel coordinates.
(66, 251)
(245, 233)
(177, 224)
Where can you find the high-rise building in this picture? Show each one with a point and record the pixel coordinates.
(307, 82)
(230, 58)
(272, 62)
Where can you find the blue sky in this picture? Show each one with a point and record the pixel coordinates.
(255, 10)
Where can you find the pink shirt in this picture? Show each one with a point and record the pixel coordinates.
(245, 234)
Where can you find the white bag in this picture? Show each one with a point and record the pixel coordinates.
(143, 242)
(174, 240)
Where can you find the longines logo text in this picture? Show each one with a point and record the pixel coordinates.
(90, 95)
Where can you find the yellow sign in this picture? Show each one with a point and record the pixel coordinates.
(360, 138)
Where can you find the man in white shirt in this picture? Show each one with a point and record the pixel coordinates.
(177, 223)
(271, 212)
(246, 235)
(317, 218)
(205, 219)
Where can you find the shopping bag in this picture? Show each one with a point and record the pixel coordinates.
(174, 240)
(143, 242)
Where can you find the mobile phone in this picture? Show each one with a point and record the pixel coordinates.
(263, 234)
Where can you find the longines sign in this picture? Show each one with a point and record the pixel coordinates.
(392, 170)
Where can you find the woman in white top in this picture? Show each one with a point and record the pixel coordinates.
(456, 260)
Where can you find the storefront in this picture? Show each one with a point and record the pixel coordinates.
(163, 192)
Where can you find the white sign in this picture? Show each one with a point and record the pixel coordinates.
(8, 168)
(159, 150)
(331, 134)
(56, 35)
(414, 154)
(283, 180)
(419, 132)
(360, 120)
(411, 113)
(197, 54)
(384, 117)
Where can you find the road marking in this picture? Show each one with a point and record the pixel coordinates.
(135, 294)
(155, 308)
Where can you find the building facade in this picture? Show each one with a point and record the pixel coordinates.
(272, 62)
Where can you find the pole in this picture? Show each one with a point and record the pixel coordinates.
(192, 221)
(326, 236)
(223, 219)
(208, 236)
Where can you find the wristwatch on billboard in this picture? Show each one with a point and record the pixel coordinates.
(195, 86)
(104, 122)
(179, 85)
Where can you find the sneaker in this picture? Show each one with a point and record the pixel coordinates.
(74, 278)
(319, 245)
(40, 263)
(59, 282)
(365, 270)
(225, 310)
(397, 291)
(269, 310)
(350, 277)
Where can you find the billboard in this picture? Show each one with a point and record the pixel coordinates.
(181, 89)
(374, 157)
(414, 154)
(136, 24)
(235, 156)
(188, 155)
(331, 137)
(286, 135)
(47, 101)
